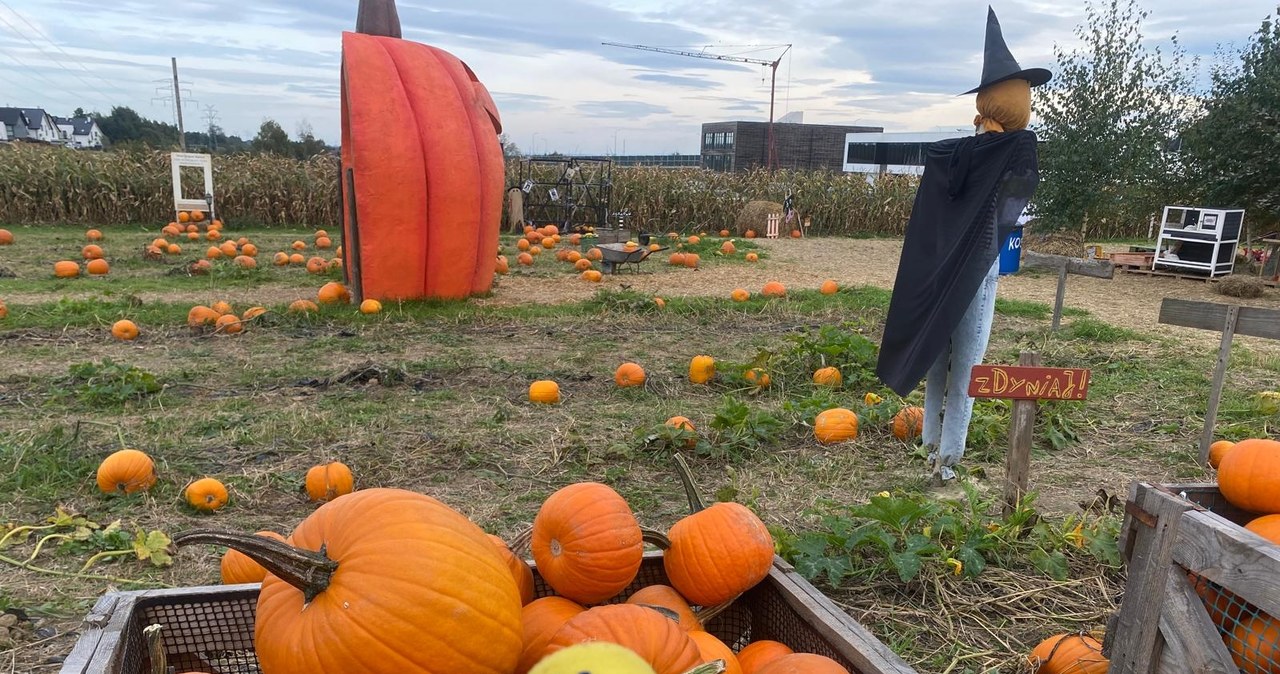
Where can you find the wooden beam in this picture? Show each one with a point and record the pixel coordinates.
(1074, 265)
(1018, 462)
(1137, 644)
(1191, 640)
(1219, 377)
(1232, 557)
(1252, 321)
(1059, 298)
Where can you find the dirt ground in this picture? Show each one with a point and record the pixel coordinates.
(1129, 300)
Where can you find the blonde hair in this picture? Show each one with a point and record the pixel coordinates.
(1004, 106)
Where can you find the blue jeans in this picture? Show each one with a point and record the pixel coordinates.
(947, 405)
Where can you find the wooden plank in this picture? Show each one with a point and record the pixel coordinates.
(1017, 468)
(1073, 265)
(1232, 557)
(1191, 640)
(1059, 298)
(1138, 628)
(92, 629)
(852, 640)
(1028, 383)
(1252, 321)
(1219, 377)
(103, 656)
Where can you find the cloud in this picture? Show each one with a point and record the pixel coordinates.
(688, 81)
(620, 109)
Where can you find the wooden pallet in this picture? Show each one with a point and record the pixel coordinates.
(1148, 271)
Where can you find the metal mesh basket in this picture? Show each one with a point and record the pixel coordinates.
(210, 629)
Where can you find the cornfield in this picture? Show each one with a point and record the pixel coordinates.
(52, 185)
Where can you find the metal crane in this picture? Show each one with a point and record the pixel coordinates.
(773, 80)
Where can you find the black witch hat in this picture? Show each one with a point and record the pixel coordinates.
(998, 63)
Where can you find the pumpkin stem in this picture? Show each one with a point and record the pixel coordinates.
(655, 538)
(713, 667)
(686, 479)
(378, 17)
(155, 649)
(521, 542)
(306, 570)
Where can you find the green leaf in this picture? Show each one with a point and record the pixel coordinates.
(1052, 564)
(907, 564)
(153, 547)
(974, 562)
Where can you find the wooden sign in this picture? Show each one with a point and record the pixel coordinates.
(1013, 382)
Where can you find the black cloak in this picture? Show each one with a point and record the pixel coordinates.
(970, 196)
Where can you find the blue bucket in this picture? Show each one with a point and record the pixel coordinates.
(1011, 252)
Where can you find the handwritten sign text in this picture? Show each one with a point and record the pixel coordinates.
(1028, 383)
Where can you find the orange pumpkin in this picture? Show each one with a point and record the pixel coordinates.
(1068, 654)
(654, 637)
(200, 268)
(245, 262)
(774, 289)
(702, 369)
(828, 376)
(908, 422)
(252, 313)
(173, 249)
(586, 542)
(125, 330)
(66, 269)
(628, 375)
(236, 567)
(206, 494)
(91, 252)
(333, 293)
(756, 655)
(4, 311)
(582, 264)
(1249, 476)
(665, 596)
(718, 552)
(829, 287)
(712, 649)
(728, 248)
(228, 324)
(1218, 450)
(685, 424)
(525, 259)
(184, 216)
(795, 234)
(328, 481)
(752, 257)
(303, 307)
(1267, 526)
(592, 275)
(544, 391)
(201, 315)
(595, 255)
(757, 377)
(835, 425)
(501, 266)
(804, 663)
(279, 259)
(724, 233)
(370, 307)
(324, 242)
(751, 234)
(676, 259)
(740, 295)
(212, 235)
(126, 471)
(691, 260)
(540, 620)
(228, 248)
(316, 265)
(223, 307)
(520, 570)
(249, 250)
(213, 252)
(197, 216)
(377, 558)
(1254, 644)
(97, 267)
(441, 157)
(6, 237)
(693, 240)
(297, 258)
(662, 304)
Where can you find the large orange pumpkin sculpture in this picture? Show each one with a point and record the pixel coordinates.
(422, 169)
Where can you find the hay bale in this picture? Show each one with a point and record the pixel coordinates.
(1054, 242)
(1247, 287)
(755, 215)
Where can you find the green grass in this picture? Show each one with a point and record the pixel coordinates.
(1092, 330)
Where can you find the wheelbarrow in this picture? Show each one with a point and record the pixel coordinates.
(614, 255)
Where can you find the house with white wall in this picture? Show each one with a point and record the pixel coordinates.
(13, 123)
(40, 125)
(80, 132)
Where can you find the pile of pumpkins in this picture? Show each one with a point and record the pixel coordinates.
(1249, 479)
(537, 240)
(129, 471)
(388, 580)
(831, 426)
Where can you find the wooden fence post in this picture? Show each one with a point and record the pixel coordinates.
(1017, 469)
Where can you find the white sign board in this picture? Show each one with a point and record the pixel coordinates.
(178, 160)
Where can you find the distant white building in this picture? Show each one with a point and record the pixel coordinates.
(80, 132)
(40, 125)
(894, 152)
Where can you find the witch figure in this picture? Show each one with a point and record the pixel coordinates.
(971, 194)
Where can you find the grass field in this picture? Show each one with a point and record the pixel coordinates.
(432, 397)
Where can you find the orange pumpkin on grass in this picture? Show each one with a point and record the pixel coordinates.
(774, 289)
(206, 494)
(628, 375)
(201, 315)
(98, 267)
(908, 422)
(544, 391)
(740, 295)
(91, 252)
(829, 287)
(125, 330)
(835, 425)
(328, 481)
(126, 471)
(228, 324)
(828, 376)
(586, 542)
(702, 369)
(353, 569)
(66, 269)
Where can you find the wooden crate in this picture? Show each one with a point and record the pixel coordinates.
(1194, 573)
(210, 629)
(1133, 259)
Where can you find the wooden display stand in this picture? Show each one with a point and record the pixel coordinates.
(178, 160)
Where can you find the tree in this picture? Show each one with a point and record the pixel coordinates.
(273, 139)
(308, 145)
(1108, 119)
(124, 126)
(510, 150)
(1235, 147)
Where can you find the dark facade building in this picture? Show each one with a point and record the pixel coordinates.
(738, 146)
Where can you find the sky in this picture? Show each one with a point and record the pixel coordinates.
(893, 63)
